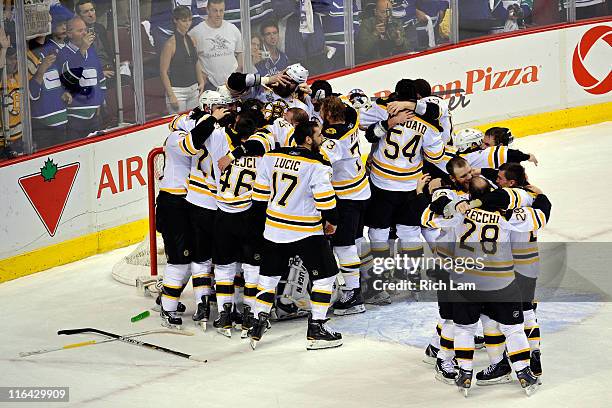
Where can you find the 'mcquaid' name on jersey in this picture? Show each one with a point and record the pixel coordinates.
(398, 161)
(296, 184)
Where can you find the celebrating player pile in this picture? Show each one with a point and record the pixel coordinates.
(265, 186)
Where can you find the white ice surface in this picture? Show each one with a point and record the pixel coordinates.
(378, 366)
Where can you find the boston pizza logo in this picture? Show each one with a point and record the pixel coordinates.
(591, 84)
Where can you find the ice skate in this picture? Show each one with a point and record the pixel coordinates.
(258, 329)
(431, 354)
(464, 381)
(499, 373)
(171, 320)
(202, 314)
(528, 381)
(445, 371)
(223, 323)
(535, 363)
(351, 302)
(319, 336)
(248, 320)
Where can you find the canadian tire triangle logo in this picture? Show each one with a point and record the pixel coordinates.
(48, 191)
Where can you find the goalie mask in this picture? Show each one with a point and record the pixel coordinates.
(468, 139)
(275, 110)
(358, 99)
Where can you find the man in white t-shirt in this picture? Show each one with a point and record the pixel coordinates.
(219, 45)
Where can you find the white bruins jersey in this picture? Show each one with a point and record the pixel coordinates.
(397, 163)
(235, 184)
(489, 158)
(349, 178)
(484, 237)
(282, 132)
(444, 245)
(524, 244)
(296, 184)
(201, 187)
(372, 114)
(444, 119)
(178, 150)
(202, 190)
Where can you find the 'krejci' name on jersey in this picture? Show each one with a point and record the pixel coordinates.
(287, 164)
(416, 126)
(246, 162)
(482, 217)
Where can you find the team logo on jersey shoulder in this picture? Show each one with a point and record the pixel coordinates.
(330, 131)
(515, 314)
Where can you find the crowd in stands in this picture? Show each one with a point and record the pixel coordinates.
(193, 45)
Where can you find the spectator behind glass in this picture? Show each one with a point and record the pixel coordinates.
(273, 60)
(219, 45)
(511, 15)
(161, 18)
(405, 12)
(86, 9)
(475, 19)
(255, 51)
(180, 70)
(81, 74)
(303, 33)
(260, 11)
(380, 35)
(429, 15)
(11, 143)
(47, 96)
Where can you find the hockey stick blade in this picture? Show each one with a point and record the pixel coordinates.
(133, 342)
(92, 342)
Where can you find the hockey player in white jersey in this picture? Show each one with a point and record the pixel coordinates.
(350, 182)
(404, 141)
(172, 220)
(201, 192)
(294, 195)
(515, 192)
(492, 289)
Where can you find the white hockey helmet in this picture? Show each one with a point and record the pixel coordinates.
(297, 73)
(210, 98)
(226, 94)
(467, 138)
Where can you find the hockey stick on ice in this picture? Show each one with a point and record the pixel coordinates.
(133, 342)
(92, 342)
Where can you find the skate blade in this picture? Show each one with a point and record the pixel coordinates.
(254, 343)
(351, 310)
(441, 378)
(172, 326)
(225, 332)
(465, 391)
(531, 389)
(201, 324)
(322, 344)
(504, 379)
(244, 334)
